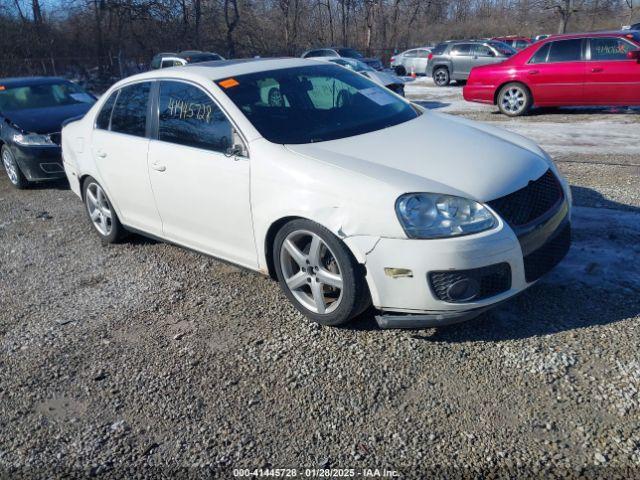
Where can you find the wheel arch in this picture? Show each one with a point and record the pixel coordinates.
(507, 82)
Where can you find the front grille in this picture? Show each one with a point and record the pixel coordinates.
(56, 137)
(531, 202)
(541, 261)
(489, 281)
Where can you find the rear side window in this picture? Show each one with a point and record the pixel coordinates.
(423, 53)
(609, 49)
(439, 49)
(565, 51)
(130, 111)
(410, 53)
(189, 117)
(541, 55)
(104, 117)
(461, 49)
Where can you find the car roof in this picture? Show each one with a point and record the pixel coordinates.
(220, 69)
(13, 82)
(608, 33)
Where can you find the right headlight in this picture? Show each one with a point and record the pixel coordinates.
(433, 215)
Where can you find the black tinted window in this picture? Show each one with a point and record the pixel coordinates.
(541, 55)
(609, 49)
(439, 49)
(189, 117)
(565, 51)
(461, 49)
(102, 122)
(130, 111)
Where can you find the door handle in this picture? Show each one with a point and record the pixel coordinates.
(101, 154)
(597, 69)
(157, 167)
(534, 72)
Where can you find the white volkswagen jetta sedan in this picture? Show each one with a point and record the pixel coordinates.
(310, 189)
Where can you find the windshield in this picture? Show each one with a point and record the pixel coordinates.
(503, 48)
(349, 52)
(314, 103)
(42, 96)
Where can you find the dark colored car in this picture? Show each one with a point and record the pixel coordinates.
(168, 59)
(346, 52)
(32, 113)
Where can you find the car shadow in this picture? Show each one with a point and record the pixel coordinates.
(60, 184)
(540, 111)
(431, 104)
(574, 299)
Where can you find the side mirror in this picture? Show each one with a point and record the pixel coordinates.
(236, 150)
(634, 55)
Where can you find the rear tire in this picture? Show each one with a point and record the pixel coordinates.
(101, 213)
(11, 167)
(514, 99)
(441, 77)
(318, 273)
(400, 70)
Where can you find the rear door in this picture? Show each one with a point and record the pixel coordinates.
(556, 73)
(462, 61)
(120, 146)
(611, 77)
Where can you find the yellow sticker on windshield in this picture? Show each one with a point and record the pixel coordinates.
(228, 83)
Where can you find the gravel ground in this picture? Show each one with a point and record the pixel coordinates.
(143, 360)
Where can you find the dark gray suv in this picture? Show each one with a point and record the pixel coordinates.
(454, 60)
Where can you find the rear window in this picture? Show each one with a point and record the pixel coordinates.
(610, 49)
(203, 57)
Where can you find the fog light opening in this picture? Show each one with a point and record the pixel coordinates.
(464, 290)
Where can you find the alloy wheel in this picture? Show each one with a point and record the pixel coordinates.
(99, 209)
(311, 272)
(514, 100)
(440, 77)
(10, 167)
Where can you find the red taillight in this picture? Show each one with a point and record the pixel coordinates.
(393, 59)
(430, 56)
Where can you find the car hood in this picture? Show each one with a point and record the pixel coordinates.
(438, 153)
(45, 120)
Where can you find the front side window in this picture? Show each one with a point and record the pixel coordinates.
(189, 117)
(410, 53)
(565, 51)
(314, 103)
(503, 48)
(603, 49)
(349, 52)
(481, 51)
(104, 117)
(130, 111)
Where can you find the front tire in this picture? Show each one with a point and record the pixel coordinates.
(441, 77)
(318, 274)
(16, 177)
(514, 99)
(101, 213)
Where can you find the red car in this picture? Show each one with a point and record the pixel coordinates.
(519, 43)
(564, 70)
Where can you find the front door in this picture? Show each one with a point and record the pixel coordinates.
(120, 147)
(201, 191)
(612, 78)
(556, 73)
